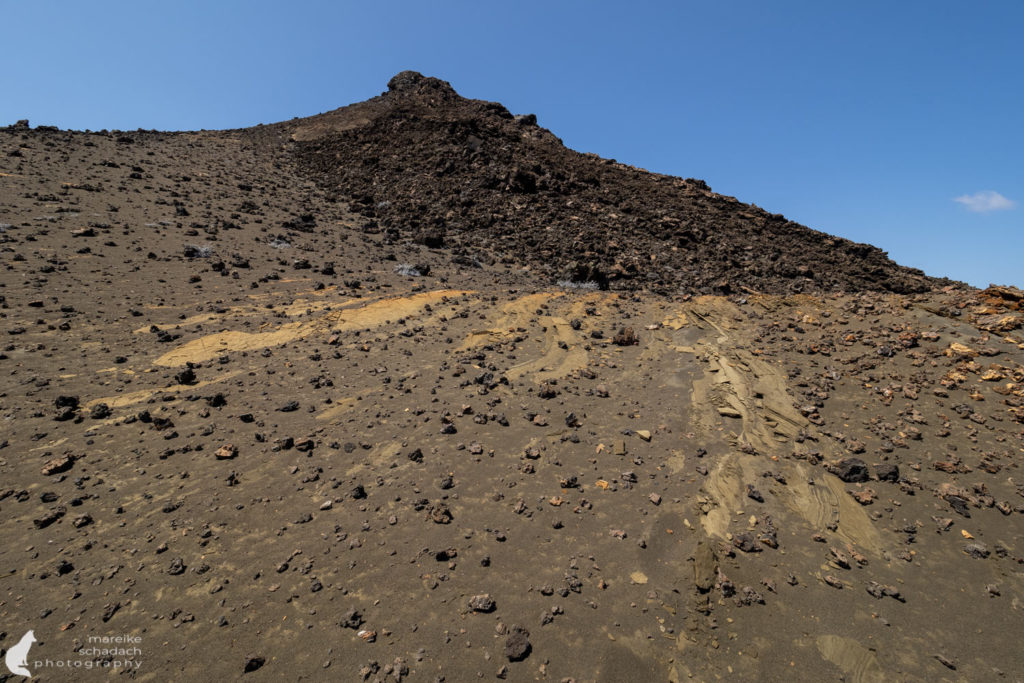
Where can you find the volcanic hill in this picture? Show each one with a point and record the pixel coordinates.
(410, 391)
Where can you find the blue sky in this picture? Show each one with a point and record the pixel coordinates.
(893, 123)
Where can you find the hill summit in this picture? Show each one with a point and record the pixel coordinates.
(423, 164)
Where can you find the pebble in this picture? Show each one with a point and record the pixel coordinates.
(253, 662)
(482, 603)
(517, 644)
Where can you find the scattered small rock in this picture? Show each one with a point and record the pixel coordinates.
(482, 603)
(253, 662)
(517, 645)
(850, 470)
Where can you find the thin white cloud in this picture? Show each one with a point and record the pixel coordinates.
(985, 201)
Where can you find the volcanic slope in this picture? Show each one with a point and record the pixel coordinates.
(423, 163)
(270, 436)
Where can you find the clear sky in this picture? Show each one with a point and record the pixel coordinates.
(898, 123)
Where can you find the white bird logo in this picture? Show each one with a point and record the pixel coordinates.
(17, 657)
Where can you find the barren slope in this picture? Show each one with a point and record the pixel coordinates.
(261, 434)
